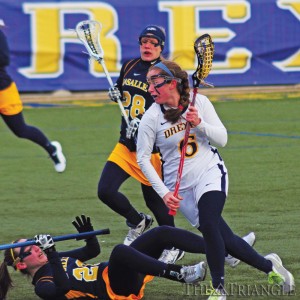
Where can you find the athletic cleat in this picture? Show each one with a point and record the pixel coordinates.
(232, 261)
(277, 258)
(280, 275)
(135, 232)
(193, 274)
(170, 256)
(217, 294)
(58, 158)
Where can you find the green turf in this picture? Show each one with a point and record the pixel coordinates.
(262, 157)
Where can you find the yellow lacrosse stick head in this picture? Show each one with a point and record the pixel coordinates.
(204, 48)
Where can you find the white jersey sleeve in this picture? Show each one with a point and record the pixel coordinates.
(145, 142)
(210, 124)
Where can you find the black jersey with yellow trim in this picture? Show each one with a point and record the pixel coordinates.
(67, 276)
(5, 79)
(84, 280)
(133, 86)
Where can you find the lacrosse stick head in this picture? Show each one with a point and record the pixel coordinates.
(88, 32)
(204, 48)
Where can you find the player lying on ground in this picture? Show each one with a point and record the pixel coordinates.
(64, 275)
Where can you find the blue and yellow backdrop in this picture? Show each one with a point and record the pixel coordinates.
(257, 42)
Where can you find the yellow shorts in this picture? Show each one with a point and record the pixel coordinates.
(114, 296)
(10, 101)
(127, 161)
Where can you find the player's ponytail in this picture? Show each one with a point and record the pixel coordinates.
(5, 280)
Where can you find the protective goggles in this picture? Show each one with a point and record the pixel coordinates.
(159, 80)
(21, 256)
(151, 41)
(24, 253)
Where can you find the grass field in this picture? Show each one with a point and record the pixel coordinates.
(262, 156)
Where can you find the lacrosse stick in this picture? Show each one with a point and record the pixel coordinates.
(89, 34)
(57, 238)
(204, 48)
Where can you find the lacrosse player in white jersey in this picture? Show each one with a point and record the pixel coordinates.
(204, 183)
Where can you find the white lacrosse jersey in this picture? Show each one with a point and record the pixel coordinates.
(203, 168)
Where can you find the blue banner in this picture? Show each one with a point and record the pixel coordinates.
(257, 42)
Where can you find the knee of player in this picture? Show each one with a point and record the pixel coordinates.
(208, 228)
(118, 251)
(104, 193)
(20, 134)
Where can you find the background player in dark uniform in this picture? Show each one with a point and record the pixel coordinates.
(64, 275)
(132, 88)
(11, 112)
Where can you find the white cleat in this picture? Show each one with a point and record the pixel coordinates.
(193, 274)
(58, 158)
(135, 232)
(170, 256)
(280, 275)
(232, 261)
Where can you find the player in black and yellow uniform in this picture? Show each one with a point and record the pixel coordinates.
(64, 275)
(132, 88)
(11, 112)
